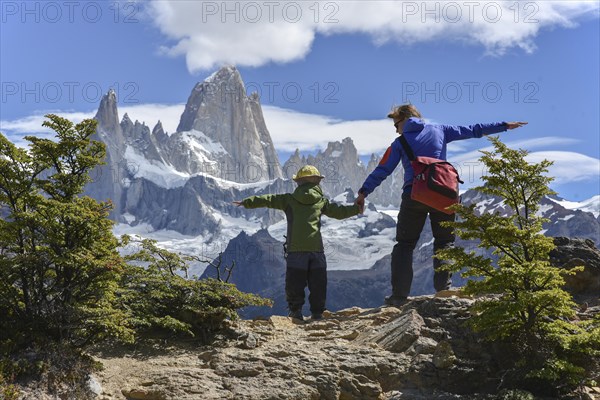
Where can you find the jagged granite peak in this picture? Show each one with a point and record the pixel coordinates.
(344, 148)
(373, 161)
(107, 114)
(159, 133)
(218, 112)
(340, 165)
(135, 153)
(138, 136)
(109, 129)
(126, 123)
(107, 179)
(293, 164)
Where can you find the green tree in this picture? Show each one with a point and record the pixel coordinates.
(521, 299)
(59, 267)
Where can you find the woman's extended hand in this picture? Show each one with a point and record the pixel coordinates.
(514, 125)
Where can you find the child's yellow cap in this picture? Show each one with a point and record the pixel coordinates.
(307, 171)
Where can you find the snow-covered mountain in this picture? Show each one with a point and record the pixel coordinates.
(178, 187)
(591, 205)
(222, 151)
(185, 181)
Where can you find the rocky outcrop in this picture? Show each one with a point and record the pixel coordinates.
(354, 354)
(420, 351)
(571, 253)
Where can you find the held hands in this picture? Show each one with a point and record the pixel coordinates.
(514, 125)
(360, 202)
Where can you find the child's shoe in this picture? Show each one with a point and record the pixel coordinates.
(296, 315)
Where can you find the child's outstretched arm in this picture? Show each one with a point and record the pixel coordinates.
(338, 211)
(277, 201)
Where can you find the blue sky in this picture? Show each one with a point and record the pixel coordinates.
(325, 70)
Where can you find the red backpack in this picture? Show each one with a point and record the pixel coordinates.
(435, 182)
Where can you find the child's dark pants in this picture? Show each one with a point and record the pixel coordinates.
(306, 267)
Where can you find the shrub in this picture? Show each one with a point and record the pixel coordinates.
(523, 302)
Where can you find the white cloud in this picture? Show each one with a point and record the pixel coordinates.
(211, 33)
(16, 130)
(207, 41)
(33, 124)
(457, 149)
(293, 130)
(568, 166)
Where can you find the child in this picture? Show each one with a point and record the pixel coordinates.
(305, 258)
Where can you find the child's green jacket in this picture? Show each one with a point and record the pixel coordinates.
(303, 210)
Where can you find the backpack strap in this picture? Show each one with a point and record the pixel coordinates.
(406, 147)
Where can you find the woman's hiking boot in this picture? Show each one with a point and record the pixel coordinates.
(395, 301)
